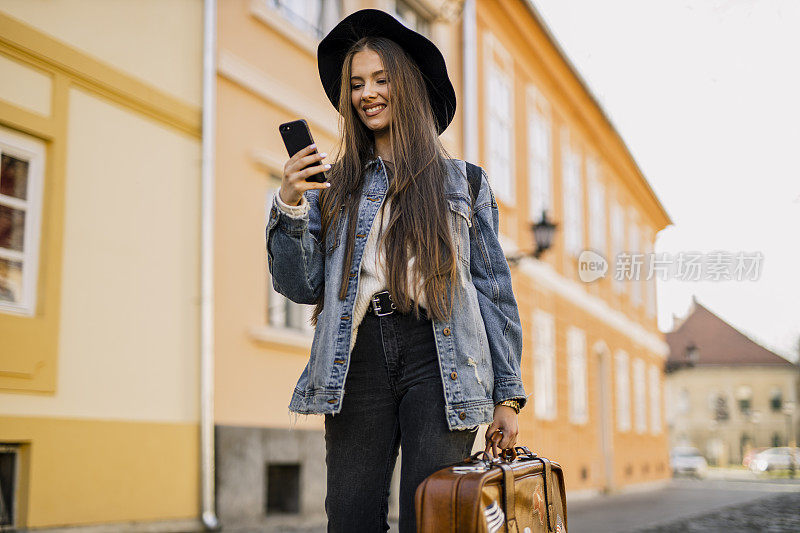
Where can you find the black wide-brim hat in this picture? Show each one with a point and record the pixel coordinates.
(373, 22)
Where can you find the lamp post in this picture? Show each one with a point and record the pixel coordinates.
(754, 417)
(788, 410)
(543, 232)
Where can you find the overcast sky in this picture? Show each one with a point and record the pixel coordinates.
(706, 95)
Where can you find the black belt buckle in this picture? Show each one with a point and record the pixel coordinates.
(382, 304)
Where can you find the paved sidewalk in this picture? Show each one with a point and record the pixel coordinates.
(711, 505)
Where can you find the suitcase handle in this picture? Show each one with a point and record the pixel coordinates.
(506, 454)
(482, 456)
(523, 450)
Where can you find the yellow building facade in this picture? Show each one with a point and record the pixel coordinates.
(99, 262)
(593, 356)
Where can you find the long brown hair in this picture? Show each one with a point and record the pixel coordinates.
(419, 225)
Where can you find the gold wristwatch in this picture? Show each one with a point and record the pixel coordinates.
(514, 404)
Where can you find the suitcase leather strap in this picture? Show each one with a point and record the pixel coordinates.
(508, 481)
(548, 493)
(508, 497)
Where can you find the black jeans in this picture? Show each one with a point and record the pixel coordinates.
(393, 397)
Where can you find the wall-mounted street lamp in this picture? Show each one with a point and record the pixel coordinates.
(690, 357)
(692, 353)
(543, 232)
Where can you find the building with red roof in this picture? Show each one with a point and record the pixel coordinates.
(726, 393)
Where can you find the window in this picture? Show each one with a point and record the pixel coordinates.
(636, 271)
(718, 404)
(617, 241)
(670, 402)
(316, 17)
(283, 489)
(21, 183)
(576, 352)
(9, 484)
(573, 195)
(655, 399)
(281, 311)
(284, 313)
(776, 400)
(597, 207)
(500, 99)
(745, 406)
(540, 166)
(412, 18)
(650, 284)
(744, 397)
(684, 401)
(544, 365)
(640, 402)
(623, 385)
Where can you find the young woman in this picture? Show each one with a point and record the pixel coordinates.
(414, 305)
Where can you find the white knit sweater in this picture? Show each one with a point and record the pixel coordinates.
(373, 263)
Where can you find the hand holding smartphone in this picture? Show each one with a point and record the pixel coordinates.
(304, 170)
(297, 136)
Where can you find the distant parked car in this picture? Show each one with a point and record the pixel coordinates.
(688, 460)
(775, 459)
(748, 457)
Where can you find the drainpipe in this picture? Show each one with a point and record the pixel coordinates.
(209, 516)
(470, 81)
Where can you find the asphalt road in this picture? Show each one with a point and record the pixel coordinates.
(715, 505)
(772, 514)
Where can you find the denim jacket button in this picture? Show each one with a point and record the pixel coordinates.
(332, 400)
(446, 331)
(462, 415)
(453, 375)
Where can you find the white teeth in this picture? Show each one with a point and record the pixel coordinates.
(369, 109)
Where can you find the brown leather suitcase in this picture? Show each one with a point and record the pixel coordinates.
(517, 492)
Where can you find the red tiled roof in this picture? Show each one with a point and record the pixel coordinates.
(717, 342)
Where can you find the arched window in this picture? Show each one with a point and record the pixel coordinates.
(776, 400)
(720, 408)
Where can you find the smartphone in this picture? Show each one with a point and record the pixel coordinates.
(297, 136)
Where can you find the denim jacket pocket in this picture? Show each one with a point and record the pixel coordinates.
(462, 222)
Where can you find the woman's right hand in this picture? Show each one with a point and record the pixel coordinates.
(295, 172)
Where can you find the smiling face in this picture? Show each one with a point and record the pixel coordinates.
(369, 90)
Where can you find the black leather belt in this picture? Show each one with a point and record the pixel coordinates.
(381, 304)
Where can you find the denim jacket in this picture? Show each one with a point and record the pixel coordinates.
(479, 347)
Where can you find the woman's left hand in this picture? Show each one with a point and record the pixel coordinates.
(505, 419)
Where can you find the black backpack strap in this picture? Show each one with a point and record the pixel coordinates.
(474, 178)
